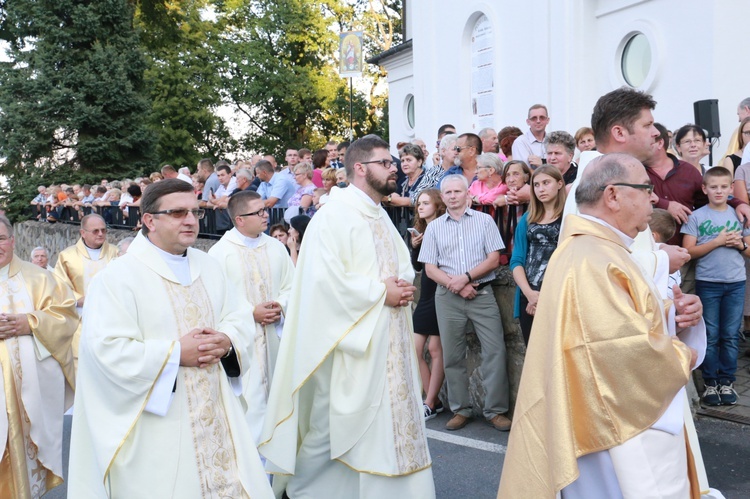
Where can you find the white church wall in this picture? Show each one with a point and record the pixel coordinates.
(565, 54)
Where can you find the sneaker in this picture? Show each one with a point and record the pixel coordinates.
(711, 396)
(429, 413)
(439, 407)
(727, 394)
(457, 422)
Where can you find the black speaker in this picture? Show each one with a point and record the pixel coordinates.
(707, 116)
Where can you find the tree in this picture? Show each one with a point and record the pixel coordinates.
(184, 81)
(280, 72)
(72, 94)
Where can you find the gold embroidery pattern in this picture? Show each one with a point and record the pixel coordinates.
(409, 440)
(14, 299)
(214, 447)
(258, 281)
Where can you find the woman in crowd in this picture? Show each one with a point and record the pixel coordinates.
(734, 160)
(329, 179)
(280, 233)
(741, 190)
(690, 141)
(506, 136)
(447, 153)
(297, 228)
(341, 180)
(536, 238)
(429, 206)
(319, 163)
(516, 175)
(585, 139)
(155, 177)
(303, 197)
(417, 180)
(489, 184)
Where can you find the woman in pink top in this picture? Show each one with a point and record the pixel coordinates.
(489, 183)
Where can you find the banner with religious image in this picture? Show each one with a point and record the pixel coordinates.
(350, 54)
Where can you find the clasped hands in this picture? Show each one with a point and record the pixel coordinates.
(12, 325)
(202, 347)
(460, 285)
(267, 313)
(398, 292)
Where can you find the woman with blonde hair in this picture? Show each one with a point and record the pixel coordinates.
(429, 207)
(734, 160)
(303, 175)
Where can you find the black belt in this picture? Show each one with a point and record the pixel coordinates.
(484, 285)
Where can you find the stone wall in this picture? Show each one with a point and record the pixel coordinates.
(56, 237)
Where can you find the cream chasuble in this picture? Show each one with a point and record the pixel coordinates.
(260, 274)
(580, 392)
(37, 380)
(338, 323)
(135, 312)
(76, 269)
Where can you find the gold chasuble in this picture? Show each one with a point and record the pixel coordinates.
(260, 274)
(600, 367)
(76, 269)
(200, 446)
(347, 355)
(37, 380)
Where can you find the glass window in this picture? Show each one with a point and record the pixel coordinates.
(636, 60)
(410, 111)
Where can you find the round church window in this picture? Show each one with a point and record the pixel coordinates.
(410, 119)
(636, 60)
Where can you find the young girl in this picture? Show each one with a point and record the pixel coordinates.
(535, 240)
(429, 206)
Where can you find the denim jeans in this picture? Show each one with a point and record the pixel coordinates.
(722, 311)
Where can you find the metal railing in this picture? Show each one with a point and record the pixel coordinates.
(216, 222)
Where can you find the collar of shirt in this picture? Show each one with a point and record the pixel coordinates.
(626, 239)
(532, 139)
(4, 273)
(468, 212)
(359, 192)
(251, 242)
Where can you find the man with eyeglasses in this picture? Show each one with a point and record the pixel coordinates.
(78, 264)
(37, 323)
(345, 410)
(599, 409)
(529, 147)
(157, 411)
(258, 268)
(468, 147)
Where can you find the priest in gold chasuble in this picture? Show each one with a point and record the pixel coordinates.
(37, 322)
(601, 368)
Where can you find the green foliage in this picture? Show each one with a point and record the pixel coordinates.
(72, 95)
(184, 82)
(280, 73)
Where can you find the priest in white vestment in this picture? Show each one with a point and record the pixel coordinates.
(37, 322)
(78, 264)
(163, 347)
(344, 415)
(258, 268)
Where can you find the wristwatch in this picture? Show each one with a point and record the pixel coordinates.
(390, 197)
(229, 352)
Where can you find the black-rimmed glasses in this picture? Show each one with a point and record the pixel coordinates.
(646, 187)
(385, 163)
(259, 213)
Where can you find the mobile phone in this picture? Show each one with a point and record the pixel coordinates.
(413, 231)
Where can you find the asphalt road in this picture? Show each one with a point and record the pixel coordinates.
(467, 463)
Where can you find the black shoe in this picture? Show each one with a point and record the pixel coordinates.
(727, 394)
(711, 396)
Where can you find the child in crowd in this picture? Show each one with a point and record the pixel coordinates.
(316, 201)
(713, 235)
(536, 238)
(663, 227)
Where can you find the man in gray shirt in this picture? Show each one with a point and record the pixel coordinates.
(461, 251)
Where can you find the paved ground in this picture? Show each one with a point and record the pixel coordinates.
(468, 463)
(740, 412)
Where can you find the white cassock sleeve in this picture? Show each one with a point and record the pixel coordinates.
(162, 394)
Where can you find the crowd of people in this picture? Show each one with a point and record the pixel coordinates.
(630, 258)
